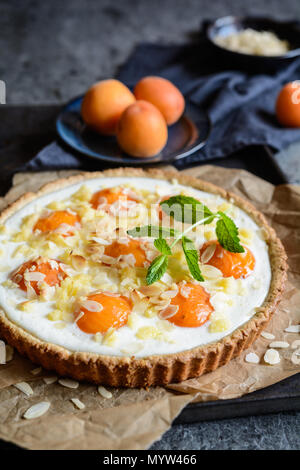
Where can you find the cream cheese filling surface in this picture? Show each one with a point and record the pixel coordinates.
(234, 301)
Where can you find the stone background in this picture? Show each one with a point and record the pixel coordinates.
(52, 51)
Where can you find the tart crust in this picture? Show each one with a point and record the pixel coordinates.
(156, 369)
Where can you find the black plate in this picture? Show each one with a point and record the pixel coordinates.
(185, 137)
(286, 30)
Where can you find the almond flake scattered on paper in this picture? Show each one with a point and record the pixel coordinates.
(78, 403)
(293, 329)
(36, 371)
(50, 380)
(252, 358)
(279, 344)
(103, 392)
(25, 388)
(267, 335)
(296, 357)
(272, 357)
(37, 410)
(69, 383)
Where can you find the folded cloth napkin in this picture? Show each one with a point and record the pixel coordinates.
(240, 104)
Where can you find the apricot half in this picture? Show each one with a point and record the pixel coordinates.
(142, 130)
(103, 105)
(288, 105)
(162, 94)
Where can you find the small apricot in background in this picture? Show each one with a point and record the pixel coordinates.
(103, 105)
(162, 94)
(288, 105)
(142, 130)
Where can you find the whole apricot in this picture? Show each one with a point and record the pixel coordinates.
(162, 94)
(103, 105)
(142, 130)
(288, 105)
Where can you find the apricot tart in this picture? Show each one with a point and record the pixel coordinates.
(95, 286)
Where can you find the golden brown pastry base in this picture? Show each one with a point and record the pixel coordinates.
(157, 369)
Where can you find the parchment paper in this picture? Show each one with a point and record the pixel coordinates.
(134, 419)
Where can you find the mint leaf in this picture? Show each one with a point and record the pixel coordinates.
(192, 258)
(228, 235)
(152, 231)
(186, 209)
(162, 246)
(156, 269)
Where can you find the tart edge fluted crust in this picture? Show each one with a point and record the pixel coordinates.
(156, 369)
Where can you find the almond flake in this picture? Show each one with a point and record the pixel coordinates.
(151, 291)
(296, 357)
(210, 272)
(169, 294)
(272, 357)
(34, 276)
(252, 358)
(104, 393)
(24, 387)
(78, 262)
(168, 312)
(101, 241)
(69, 383)
(50, 380)
(295, 344)
(279, 344)
(91, 305)
(267, 335)
(36, 371)
(293, 329)
(37, 410)
(2, 352)
(78, 403)
(208, 253)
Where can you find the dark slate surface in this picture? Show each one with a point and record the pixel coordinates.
(51, 51)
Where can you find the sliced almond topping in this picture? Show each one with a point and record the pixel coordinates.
(151, 291)
(295, 344)
(30, 291)
(101, 241)
(208, 253)
(50, 380)
(279, 344)
(296, 357)
(78, 403)
(36, 371)
(91, 305)
(168, 312)
(272, 357)
(104, 393)
(169, 294)
(185, 291)
(267, 335)
(37, 410)
(2, 352)
(111, 294)
(252, 358)
(64, 229)
(78, 262)
(24, 387)
(68, 383)
(108, 259)
(293, 329)
(210, 272)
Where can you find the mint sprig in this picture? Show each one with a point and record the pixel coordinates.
(187, 210)
(227, 234)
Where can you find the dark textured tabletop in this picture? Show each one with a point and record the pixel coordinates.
(52, 51)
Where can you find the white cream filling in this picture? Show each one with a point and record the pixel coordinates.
(71, 337)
